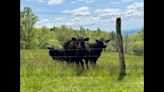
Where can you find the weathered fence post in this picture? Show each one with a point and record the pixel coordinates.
(122, 72)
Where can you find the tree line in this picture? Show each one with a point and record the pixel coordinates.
(39, 38)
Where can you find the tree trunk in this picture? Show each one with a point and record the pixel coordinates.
(121, 51)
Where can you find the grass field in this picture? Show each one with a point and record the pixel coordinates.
(39, 73)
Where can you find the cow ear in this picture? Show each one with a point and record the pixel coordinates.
(97, 41)
(74, 39)
(107, 40)
(86, 39)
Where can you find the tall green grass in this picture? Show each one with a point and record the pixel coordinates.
(39, 73)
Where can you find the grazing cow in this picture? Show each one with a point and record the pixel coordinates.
(56, 54)
(94, 51)
(75, 50)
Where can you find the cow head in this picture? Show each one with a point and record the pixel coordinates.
(81, 42)
(76, 43)
(71, 43)
(102, 43)
(49, 48)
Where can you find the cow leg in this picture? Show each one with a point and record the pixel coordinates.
(93, 63)
(77, 64)
(86, 62)
(82, 64)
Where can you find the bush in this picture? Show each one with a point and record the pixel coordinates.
(112, 46)
(138, 50)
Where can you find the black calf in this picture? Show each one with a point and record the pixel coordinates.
(94, 51)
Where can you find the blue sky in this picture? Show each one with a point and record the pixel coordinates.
(88, 13)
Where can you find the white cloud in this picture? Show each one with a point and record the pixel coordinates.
(89, 1)
(49, 2)
(112, 19)
(107, 13)
(127, 0)
(136, 5)
(101, 16)
(130, 11)
(73, 2)
(55, 2)
(83, 21)
(57, 19)
(94, 18)
(77, 19)
(68, 23)
(120, 1)
(39, 1)
(56, 22)
(44, 22)
(79, 1)
(66, 11)
(109, 10)
(131, 14)
(82, 11)
(135, 14)
(85, 17)
(134, 10)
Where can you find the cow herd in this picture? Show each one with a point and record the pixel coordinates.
(79, 50)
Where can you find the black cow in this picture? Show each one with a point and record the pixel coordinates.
(70, 50)
(94, 51)
(75, 50)
(57, 54)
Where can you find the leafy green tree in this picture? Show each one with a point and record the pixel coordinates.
(27, 21)
(138, 48)
(98, 29)
(82, 31)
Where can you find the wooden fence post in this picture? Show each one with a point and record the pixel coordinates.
(122, 72)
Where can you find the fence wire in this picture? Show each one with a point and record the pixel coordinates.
(87, 54)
